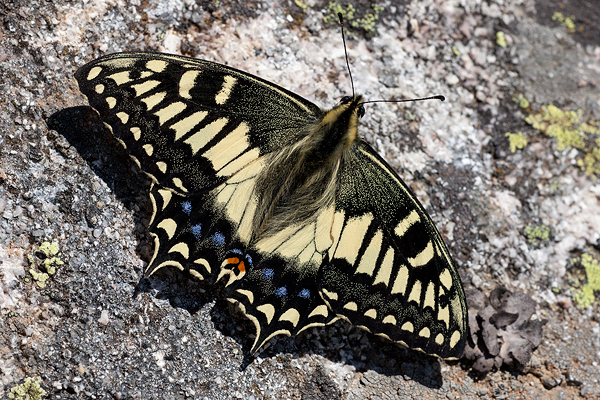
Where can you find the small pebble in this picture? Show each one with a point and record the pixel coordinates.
(103, 320)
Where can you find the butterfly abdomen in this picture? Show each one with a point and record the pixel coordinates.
(293, 188)
(301, 180)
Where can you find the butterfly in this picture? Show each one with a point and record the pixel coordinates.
(256, 186)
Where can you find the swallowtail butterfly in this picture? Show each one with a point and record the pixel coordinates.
(256, 186)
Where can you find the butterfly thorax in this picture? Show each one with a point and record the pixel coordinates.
(301, 181)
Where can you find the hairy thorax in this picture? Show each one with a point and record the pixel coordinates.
(301, 180)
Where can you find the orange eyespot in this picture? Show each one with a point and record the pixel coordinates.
(240, 264)
(233, 260)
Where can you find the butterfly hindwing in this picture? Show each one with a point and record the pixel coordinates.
(280, 297)
(389, 271)
(274, 281)
(190, 234)
(200, 232)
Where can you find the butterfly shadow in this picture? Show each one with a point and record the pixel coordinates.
(92, 140)
(340, 342)
(346, 344)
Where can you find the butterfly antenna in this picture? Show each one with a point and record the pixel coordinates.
(436, 97)
(346, 51)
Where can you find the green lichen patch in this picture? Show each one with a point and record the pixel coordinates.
(585, 295)
(516, 140)
(537, 235)
(571, 132)
(43, 262)
(367, 22)
(28, 390)
(553, 186)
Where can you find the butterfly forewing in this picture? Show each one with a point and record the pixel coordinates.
(189, 123)
(219, 143)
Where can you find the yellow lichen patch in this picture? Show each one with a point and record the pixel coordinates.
(590, 163)
(585, 296)
(43, 262)
(30, 390)
(516, 141)
(567, 22)
(521, 101)
(571, 132)
(367, 22)
(500, 39)
(302, 4)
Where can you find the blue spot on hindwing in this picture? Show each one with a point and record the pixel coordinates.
(268, 273)
(196, 230)
(304, 293)
(186, 206)
(218, 239)
(280, 292)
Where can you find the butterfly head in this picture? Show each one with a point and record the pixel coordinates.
(338, 127)
(354, 103)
